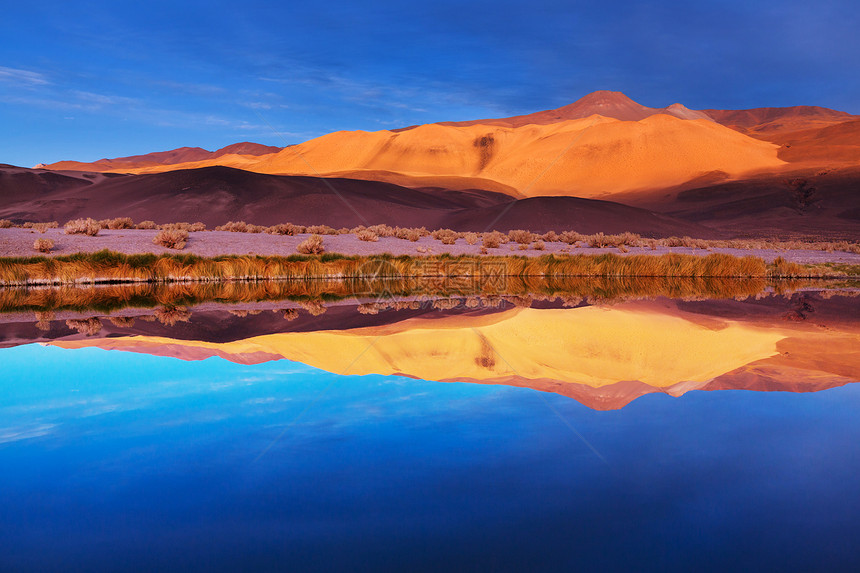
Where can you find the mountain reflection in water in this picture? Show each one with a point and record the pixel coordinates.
(603, 342)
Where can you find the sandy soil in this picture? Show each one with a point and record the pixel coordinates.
(19, 242)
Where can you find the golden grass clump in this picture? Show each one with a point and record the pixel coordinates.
(171, 238)
(521, 236)
(117, 223)
(320, 230)
(446, 236)
(233, 227)
(42, 227)
(5, 224)
(146, 225)
(88, 326)
(122, 321)
(313, 245)
(410, 234)
(43, 245)
(169, 316)
(571, 237)
(88, 226)
(189, 227)
(314, 307)
(367, 235)
(287, 229)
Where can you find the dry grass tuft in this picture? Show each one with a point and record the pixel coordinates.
(367, 235)
(122, 321)
(313, 245)
(43, 245)
(493, 239)
(117, 223)
(314, 307)
(522, 237)
(86, 226)
(447, 236)
(42, 227)
(171, 238)
(169, 316)
(233, 227)
(5, 224)
(88, 326)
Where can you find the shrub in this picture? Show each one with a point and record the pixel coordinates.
(291, 314)
(169, 316)
(409, 234)
(118, 223)
(88, 326)
(367, 235)
(148, 225)
(171, 238)
(494, 239)
(86, 226)
(197, 227)
(122, 321)
(233, 227)
(447, 236)
(570, 237)
(520, 236)
(5, 223)
(320, 230)
(550, 237)
(538, 245)
(42, 227)
(285, 229)
(313, 245)
(314, 307)
(43, 245)
(471, 238)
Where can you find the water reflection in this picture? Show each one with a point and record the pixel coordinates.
(603, 342)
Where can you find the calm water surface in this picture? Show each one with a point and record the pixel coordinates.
(135, 461)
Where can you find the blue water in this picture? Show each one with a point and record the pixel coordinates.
(126, 462)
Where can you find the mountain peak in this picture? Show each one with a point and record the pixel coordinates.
(604, 96)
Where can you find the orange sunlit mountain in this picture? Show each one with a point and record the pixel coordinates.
(603, 357)
(602, 144)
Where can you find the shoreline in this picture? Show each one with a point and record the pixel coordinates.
(107, 267)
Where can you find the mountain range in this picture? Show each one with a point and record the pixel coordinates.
(769, 171)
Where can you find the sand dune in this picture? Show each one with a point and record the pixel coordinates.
(591, 157)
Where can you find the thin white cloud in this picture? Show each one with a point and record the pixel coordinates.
(102, 99)
(8, 435)
(20, 77)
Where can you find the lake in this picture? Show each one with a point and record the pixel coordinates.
(598, 425)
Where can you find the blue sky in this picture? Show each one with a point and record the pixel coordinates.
(86, 80)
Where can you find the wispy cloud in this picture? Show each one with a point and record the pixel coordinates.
(8, 435)
(26, 78)
(102, 99)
